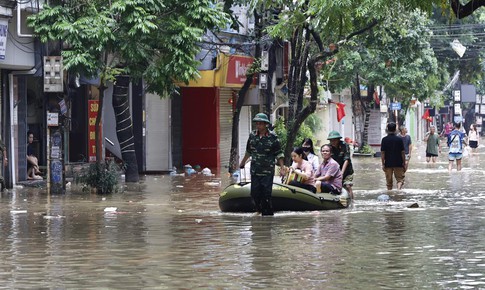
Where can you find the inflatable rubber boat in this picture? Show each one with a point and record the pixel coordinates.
(237, 198)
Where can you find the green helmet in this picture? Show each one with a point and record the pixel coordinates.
(334, 135)
(261, 117)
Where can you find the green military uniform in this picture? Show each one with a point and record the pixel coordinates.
(264, 151)
(341, 154)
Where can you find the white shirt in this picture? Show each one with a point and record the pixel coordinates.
(313, 159)
(473, 136)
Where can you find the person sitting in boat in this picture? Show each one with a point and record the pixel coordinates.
(307, 146)
(303, 170)
(328, 176)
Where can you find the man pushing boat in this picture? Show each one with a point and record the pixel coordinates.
(264, 148)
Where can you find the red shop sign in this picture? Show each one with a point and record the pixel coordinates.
(237, 68)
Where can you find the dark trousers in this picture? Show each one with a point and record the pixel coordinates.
(303, 185)
(326, 187)
(261, 189)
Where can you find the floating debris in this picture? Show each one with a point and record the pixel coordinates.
(53, 217)
(207, 172)
(212, 183)
(383, 197)
(110, 209)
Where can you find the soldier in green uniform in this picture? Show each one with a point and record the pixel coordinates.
(341, 154)
(264, 148)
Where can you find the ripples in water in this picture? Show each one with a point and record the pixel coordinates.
(168, 233)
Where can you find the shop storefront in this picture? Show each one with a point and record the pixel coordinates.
(207, 110)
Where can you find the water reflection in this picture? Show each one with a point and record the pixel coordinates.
(168, 233)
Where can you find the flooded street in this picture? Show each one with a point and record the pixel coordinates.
(168, 233)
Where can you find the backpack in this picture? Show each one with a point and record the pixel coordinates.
(455, 142)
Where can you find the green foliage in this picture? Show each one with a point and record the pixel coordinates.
(312, 26)
(469, 32)
(395, 54)
(102, 176)
(314, 123)
(156, 40)
(281, 130)
(366, 149)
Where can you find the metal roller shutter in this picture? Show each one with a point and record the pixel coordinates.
(158, 137)
(244, 129)
(225, 121)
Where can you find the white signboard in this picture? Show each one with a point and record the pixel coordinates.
(3, 37)
(55, 152)
(457, 96)
(374, 130)
(52, 119)
(457, 109)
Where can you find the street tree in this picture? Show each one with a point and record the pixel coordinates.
(468, 31)
(153, 41)
(396, 55)
(317, 30)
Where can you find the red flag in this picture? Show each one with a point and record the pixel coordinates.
(340, 111)
(426, 116)
(376, 98)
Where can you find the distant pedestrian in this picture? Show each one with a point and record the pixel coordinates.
(393, 157)
(447, 129)
(406, 139)
(264, 148)
(433, 147)
(308, 149)
(33, 171)
(473, 138)
(455, 143)
(341, 154)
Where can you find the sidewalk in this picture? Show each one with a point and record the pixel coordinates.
(70, 170)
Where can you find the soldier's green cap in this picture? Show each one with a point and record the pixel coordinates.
(261, 117)
(334, 135)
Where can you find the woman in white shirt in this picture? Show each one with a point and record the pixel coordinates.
(307, 147)
(473, 138)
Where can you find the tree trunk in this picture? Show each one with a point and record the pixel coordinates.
(124, 128)
(269, 92)
(234, 156)
(296, 85)
(364, 102)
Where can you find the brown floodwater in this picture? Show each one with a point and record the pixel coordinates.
(168, 233)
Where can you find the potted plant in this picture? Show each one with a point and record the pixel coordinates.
(366, 150)
(102, 176)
